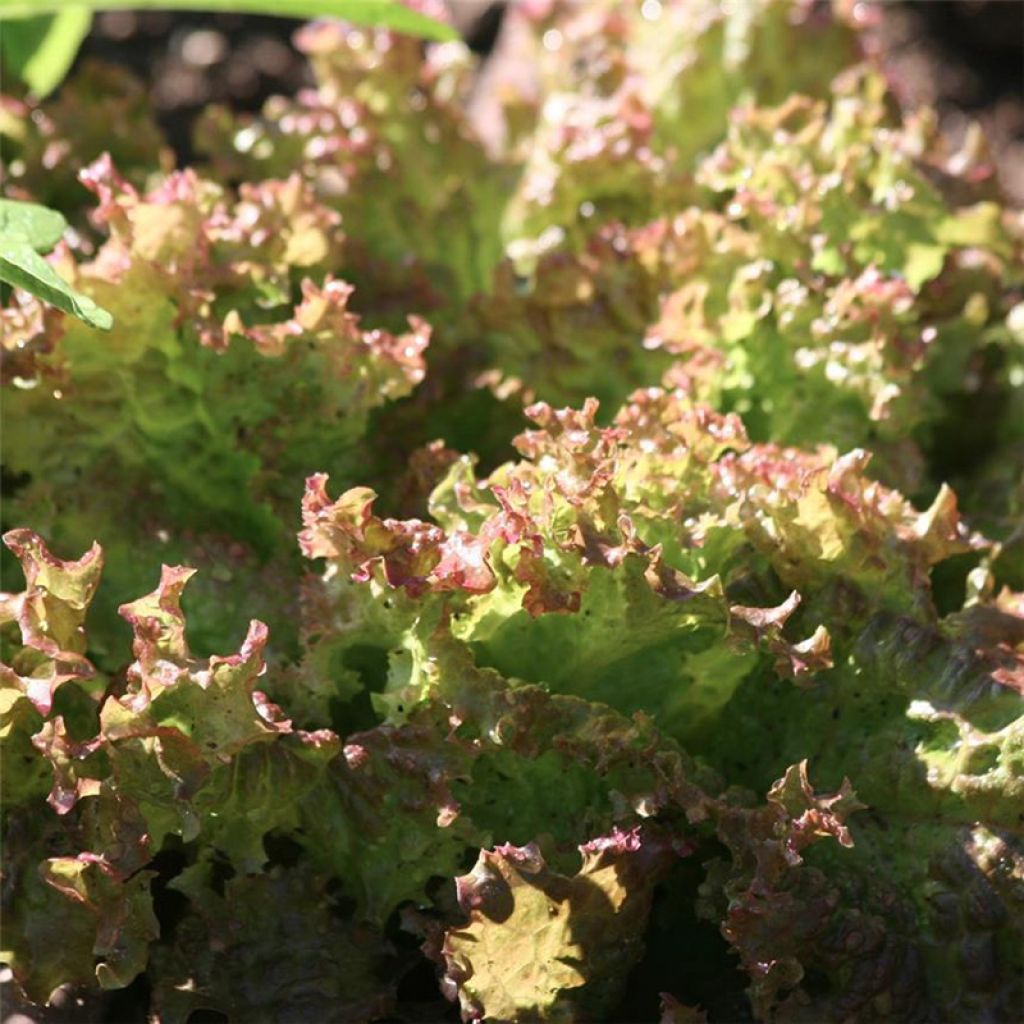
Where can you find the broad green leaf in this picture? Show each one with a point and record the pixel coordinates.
(40, 50)
(382, 13)
(23, 267)
(41, 227)
(543, 946)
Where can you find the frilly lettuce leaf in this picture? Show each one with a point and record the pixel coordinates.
(163, 757)
(385, 118)
(728, 645)
(271, 946)
(50, 617)
(73, 920)
(633, 95)
(228, 377)
(631, 565)
(545, 945)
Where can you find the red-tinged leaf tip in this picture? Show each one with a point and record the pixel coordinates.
(73, 581)
(463, 564)
(405, 551)
(251, 651)
(65, 755)
(50, 614)
(763, 627)
(767, 618)
(618, 841)
(814, 815)
(157, 621)
(103, 180)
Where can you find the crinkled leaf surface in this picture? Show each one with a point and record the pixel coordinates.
(719, 675)
(545, 946)
(271, 946)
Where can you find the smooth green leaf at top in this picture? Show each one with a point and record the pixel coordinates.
(380, 13)
(22, 267)
(40, 50)
(38, 225)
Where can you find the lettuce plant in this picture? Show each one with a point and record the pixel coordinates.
(225, 361)
(843, 280)
(607, 647)
(700, 697)
(631, 96)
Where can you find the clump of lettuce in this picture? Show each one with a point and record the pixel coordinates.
(703, 696)
(667, 202)
(235, 367)
(842, 279)
(630, 96)
(771, 611)
(599, 665)
(384, 140)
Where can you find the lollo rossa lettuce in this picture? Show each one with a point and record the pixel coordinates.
(700, 697)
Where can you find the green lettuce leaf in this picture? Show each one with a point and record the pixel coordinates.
(271, 946)
(547, 946)
(214, 395)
